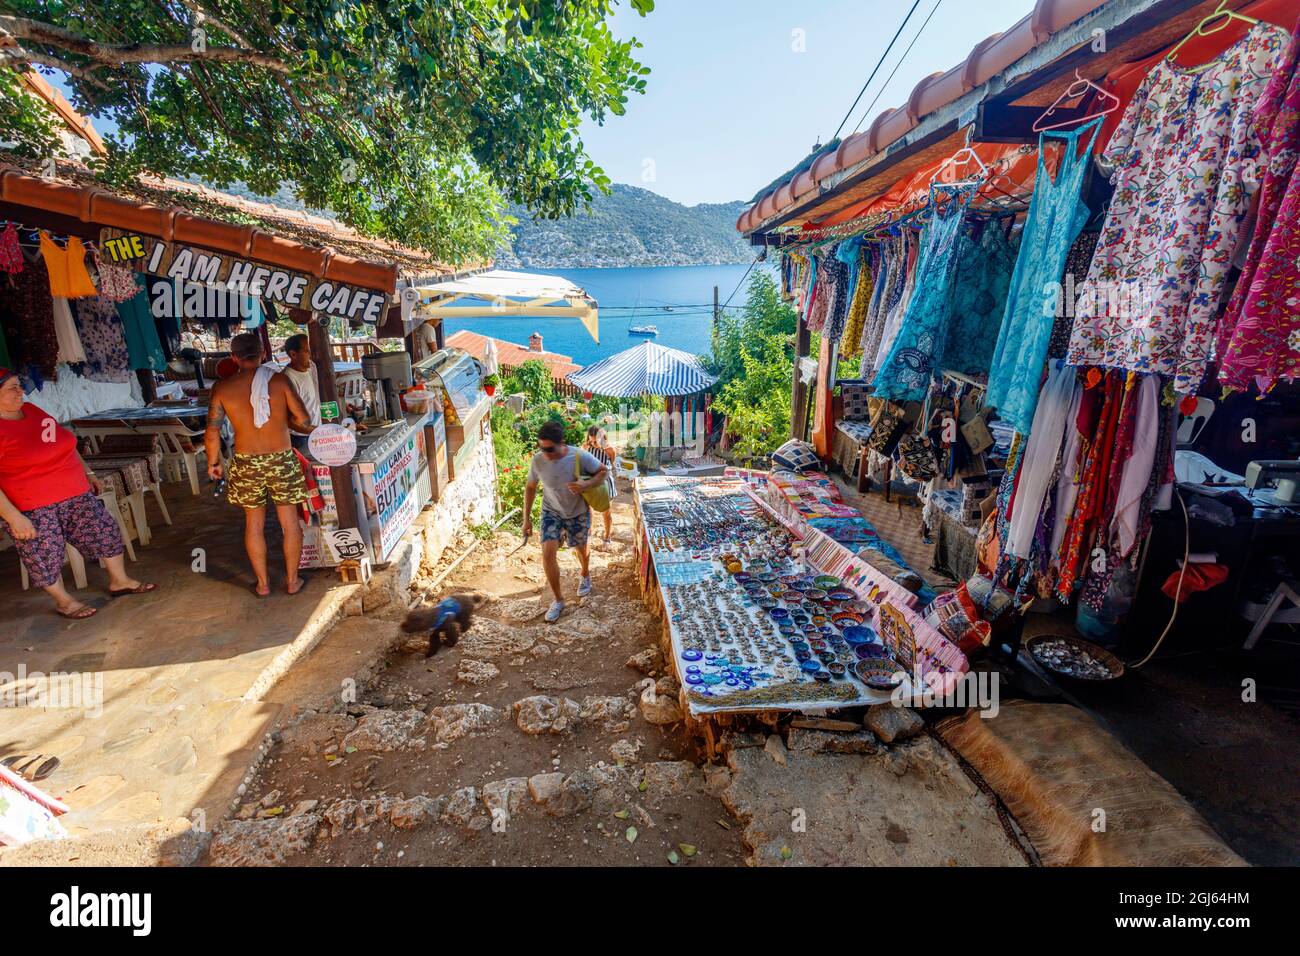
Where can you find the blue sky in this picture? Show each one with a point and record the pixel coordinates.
(731, 103)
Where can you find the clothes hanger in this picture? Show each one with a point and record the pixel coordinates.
(1078, 88)
(960, 158)
(1200, 31)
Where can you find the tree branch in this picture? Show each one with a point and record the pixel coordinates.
(107, 54)
(19, 58)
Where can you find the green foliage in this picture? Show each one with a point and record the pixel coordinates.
(491, 381)
(753, 356)
(513, 457)
(532, 378)
(414, 121)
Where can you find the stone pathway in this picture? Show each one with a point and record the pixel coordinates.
(562, 744)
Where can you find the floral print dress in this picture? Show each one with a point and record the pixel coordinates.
(1187, 158)
(1259, 334)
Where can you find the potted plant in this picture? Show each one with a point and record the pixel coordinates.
(490, 383)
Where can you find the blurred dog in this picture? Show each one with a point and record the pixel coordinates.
(445, 622)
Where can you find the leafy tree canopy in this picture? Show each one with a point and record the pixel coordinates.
(414, 120)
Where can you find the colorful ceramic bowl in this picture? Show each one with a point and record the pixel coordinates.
(826, 581)
(815, 594)
(878, 674)
(800, 645)
(787, 629)
(859, 635)
(766, 603)
(841, 595)
(836, 669)
(778, 614)
(843, 618)
(803, 657)
(867, 651)
(811, 667)
(742, 578)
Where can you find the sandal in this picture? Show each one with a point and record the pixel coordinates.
(258, 594)
(302, 584)
(138, 589)
(78, 613)
(29, 770)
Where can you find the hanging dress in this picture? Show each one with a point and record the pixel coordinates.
(67, 268)
(1188, 160)
(143, 347)
(908, 369)
(1259, 334)
(104, 340)
(1056, 215)
(978, 300)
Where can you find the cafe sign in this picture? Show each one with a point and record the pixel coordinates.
(283, 287)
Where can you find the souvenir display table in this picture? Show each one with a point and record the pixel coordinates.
(764, 612)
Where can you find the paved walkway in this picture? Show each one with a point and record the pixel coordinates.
(175, 732)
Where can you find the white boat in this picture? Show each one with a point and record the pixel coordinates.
(643, 330)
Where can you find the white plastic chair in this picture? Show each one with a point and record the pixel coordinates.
(1191, 426)
(109, 498)
(177, 461)
(73, 557)
(627, 469)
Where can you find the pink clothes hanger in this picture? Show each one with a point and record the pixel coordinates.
(1078, 88)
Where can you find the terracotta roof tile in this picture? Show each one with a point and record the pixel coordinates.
(512, 355)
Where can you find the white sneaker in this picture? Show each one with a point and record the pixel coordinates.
(584, 586)
(554, 612)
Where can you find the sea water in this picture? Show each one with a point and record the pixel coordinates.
(677, 299)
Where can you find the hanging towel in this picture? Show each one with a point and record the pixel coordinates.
(260, 397)
(1137, 470)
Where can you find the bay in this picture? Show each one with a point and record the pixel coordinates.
(677, 299)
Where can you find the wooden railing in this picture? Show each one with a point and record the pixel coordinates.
(351, 351)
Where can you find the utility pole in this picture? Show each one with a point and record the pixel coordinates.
(716, 308)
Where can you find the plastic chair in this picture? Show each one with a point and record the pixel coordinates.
(180, 453)
(73, 557)
(109, 498)
(1191, 426)
(627, 469)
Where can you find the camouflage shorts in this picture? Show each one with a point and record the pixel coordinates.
(253, 477)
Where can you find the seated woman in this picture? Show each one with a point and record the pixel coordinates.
(48, 499)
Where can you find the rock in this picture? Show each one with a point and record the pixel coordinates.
(649, 661)
(262, 842)
(576, 792)
(489, 639)
(348, 813)
(625, 751)
(658, 710)
(545, 715)
(665, 778)
(667, 686)
(732, 740)
(461, 720)
(505, 796)
(316, 733)
(385, 730)
(472, 671)
(824, 723)
(415, 812)
(775, 748)
(610, 711)
(303, 806)
(716, 779)
(271, 798)
(461, 806)
(827, 742)
(545, 787)
(609, 776)
(893, 724)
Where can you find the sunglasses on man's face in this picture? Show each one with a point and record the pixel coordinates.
(547, 449)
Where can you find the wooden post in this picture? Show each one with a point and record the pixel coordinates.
(322, 356)
(799, 393)
(716, 308)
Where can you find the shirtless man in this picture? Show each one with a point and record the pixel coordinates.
(263, 462)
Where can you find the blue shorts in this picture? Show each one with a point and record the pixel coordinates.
(555, 528)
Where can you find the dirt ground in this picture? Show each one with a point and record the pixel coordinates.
(583, 656)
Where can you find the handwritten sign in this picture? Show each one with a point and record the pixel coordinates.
(332, 444)
(286, 287)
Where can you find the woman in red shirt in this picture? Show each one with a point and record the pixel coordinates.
(48, 499)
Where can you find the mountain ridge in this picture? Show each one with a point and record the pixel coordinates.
(629, 227)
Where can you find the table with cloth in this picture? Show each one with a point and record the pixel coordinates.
(954, 538)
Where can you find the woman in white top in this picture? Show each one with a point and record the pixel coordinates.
(597, 444)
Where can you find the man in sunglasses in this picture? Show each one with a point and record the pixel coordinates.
(565, 513)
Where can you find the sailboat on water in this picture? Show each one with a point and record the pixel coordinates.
(649, 330)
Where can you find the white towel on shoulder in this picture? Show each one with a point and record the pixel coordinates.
(261, 393)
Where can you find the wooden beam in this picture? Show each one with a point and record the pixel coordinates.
(322, 356)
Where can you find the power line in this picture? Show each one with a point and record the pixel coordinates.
(742, 280)
(875, 69)
(897, 65)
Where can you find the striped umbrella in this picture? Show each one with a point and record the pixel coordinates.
(645, 369)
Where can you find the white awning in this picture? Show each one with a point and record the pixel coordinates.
(499, 292)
